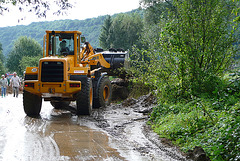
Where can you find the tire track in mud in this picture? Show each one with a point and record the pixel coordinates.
(41, 144)
(22, 137)
(55, 135)
(126, 125)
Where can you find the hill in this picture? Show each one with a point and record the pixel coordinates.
(90, 28)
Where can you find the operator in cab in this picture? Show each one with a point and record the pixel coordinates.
(63, 49)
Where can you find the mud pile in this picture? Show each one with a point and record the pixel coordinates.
(126, 123)
(119, 89)
(143, 104)
(197, 154)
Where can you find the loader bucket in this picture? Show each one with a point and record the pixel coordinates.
(118, 62)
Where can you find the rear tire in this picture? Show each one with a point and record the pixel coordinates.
(32, 103)
(84, 98)
(103, 93)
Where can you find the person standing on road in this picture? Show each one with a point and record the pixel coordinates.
(15, 83)
(4, 84)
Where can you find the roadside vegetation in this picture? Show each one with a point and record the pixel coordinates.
(26, 52)
(187, 59)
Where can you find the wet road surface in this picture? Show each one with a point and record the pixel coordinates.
(109, 134)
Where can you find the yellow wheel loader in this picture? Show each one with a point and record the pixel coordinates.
(70, 70)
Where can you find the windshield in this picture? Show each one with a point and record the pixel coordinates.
(61, 44)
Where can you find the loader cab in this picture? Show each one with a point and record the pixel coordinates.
(62, 43)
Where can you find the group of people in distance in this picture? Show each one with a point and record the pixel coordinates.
(14, 82)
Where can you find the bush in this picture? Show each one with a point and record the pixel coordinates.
(200, 123)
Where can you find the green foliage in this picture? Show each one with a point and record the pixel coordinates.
(123, 31)
(104, 38)
(1, 53)
(211, 121)
(236, 11)
(23, 48)
(156, 10)
(134, 89)
(29, 61)
(195, 123)
(2, 68)
(190, 50)
(234, 86)
(2, 59)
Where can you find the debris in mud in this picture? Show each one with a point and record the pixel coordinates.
(129, 102)
(142, 149)
(148, 100)
(167, 142)
(119, 92)
(145, 110)
(141, 105)
(141, 118)
(143, 101)
(120, 82)
(197, 154)
(103, 124)
(119, 89)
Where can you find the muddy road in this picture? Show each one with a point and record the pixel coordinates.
(117, 132)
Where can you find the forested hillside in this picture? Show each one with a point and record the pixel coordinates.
(90, 28)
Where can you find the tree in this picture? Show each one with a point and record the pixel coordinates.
(23, 47)
(122, 32)
(29, 61)
(126, 30)
(156, 10)
(1, 53)
(194, 47)
(39, 7)
(2, 68)
(236, 11)
(104, 38)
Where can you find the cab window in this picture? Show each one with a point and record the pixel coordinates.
(61, 44)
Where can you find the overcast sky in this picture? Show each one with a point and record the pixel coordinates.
(83, 9)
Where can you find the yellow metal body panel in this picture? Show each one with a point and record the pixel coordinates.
(98, 58)
(53, 88)
(31, 70)
(79, 70)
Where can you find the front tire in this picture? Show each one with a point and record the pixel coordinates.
(32, 103)
(84, 98)
(103, 93)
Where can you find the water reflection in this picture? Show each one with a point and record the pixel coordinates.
(55, 135)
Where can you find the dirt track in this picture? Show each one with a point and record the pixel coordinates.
(115, 133)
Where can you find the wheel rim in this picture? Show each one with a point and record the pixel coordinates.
(105, 93)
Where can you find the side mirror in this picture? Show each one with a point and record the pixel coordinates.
(83, 39)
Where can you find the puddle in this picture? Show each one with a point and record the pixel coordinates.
(82, 143)
(56, 135)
